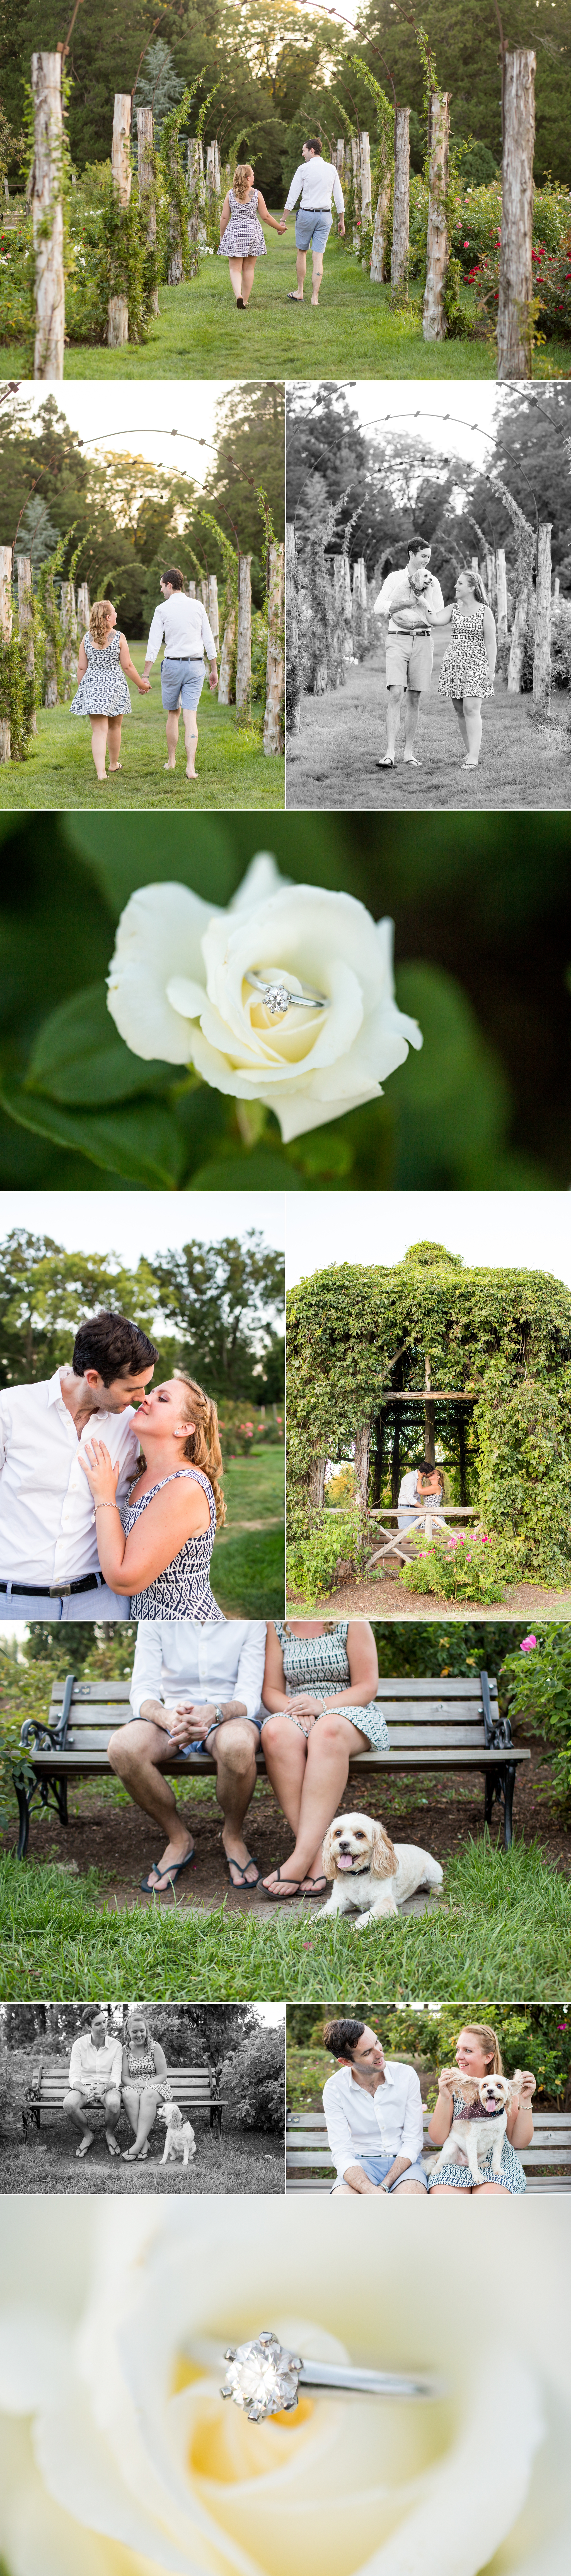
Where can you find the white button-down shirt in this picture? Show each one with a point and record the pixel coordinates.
(415, 1502)
(399, 582)
(315, 184)
(89, 2065)
(47, 1520)
(183, 626)
(385, 2123)
(179, 1659)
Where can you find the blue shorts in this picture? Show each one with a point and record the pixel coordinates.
(377, 2166)
(201, 1744)
(312, 231)
(181, 680)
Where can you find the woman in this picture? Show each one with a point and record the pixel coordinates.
(318, 1693)
(467, 673)
(421, 1488)
(477, 2053)
(241, 237)
(144, 2083)
(103, 662)
(160, 1548)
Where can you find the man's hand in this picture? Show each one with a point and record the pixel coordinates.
(188, 1719)
(152, 1710)
(341, 226)
(213, 676)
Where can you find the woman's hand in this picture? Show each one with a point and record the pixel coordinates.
(281, 228)
(143, 687)
(446, 2083)
(303, 1705)
(102, 1477)
(527, 2087)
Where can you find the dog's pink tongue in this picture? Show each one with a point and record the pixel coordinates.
(345, 1861)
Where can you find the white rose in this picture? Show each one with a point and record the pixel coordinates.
(118, 2457)
(177, 990)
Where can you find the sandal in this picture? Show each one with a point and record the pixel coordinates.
(83, 2149)
(172, 1871)
(112, 2147)
(291, 1885)
(242, 1880)
(314, 1886)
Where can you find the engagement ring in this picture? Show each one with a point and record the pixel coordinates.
(277, 997)
(265, 2380)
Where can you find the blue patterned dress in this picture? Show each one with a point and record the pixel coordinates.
(103, 690)
(458, 2178)
(243, 238)
(183, 1591)
(321, 1665)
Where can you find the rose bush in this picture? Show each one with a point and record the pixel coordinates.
(177, 991)
(118, 2457)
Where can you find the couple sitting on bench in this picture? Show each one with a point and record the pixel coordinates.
(105, 2075)
(374, 2117)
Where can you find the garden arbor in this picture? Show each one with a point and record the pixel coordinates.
(430, 1360)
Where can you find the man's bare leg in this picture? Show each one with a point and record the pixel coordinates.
(317, 275)
(172, 739)
(411, 716)
(234, 1747)
(135, 1755)
(75, 2110)
(301, 265)
(191, 739)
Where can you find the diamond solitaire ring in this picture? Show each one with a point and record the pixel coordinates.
(265, 2380)
(278, 998)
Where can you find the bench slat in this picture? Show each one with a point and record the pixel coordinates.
(480, 1758)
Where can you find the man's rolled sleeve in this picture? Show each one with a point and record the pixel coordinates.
(156, 635)
(250, 1674)
(412, 2128)
(147, 1665)
(338, 2130)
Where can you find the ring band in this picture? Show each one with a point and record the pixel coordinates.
(277, 997)
(265, 2380)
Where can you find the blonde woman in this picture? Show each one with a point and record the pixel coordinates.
(467, 673)
(319, 1704)
(103, 667)
(478, 2053)
(144, 2083)
(161, 1543)
(241, 237)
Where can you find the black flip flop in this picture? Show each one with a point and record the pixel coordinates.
(173, 1870)
(242, 1879)
(293, 1883)
(314, 1887)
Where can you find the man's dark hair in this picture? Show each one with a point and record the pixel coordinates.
(416, 546)
(175, 577)
(94, 2012)
(342, 2036)
(113, 1346)
(312, 144)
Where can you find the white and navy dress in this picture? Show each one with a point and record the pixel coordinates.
(465, 671)
(321, 1665)
(458, 2177)
(243, 238)
(103, 690)
(183, 1590)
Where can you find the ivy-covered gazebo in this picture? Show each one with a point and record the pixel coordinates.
(433, 1360)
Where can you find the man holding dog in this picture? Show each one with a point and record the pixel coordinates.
(195, 1691)
(402, 605)
(373, 2111)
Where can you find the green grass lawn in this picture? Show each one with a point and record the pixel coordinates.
(333, 760)
(248, 1577)
(503, 1929)
(199, 332)
(251, 2160)
(232, 768)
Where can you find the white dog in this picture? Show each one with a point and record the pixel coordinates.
(471, 2137)
(180, 2140)
(370, 1872)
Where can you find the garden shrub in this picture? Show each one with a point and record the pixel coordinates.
(538, 1676)
(318, 1547)
(251, 2081)
(457, 1568)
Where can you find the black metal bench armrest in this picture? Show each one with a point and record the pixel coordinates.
(497, 1730)
(39, 1727)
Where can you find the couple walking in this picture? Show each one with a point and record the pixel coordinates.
(244, 211)
(410, 606)
(104, 668)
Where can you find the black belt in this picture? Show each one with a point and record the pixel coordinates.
(46, 1591)
(183, 657)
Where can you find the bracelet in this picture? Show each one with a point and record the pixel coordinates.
(105, 1507)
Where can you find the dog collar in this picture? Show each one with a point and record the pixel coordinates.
(363, 1872)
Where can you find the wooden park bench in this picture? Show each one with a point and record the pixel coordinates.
(439, 1725)
(194, 2087)
(307, 2147)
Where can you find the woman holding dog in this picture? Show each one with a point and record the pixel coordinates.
(319, 1700)
(478, 2054)
(144, 2083)
(104, 665)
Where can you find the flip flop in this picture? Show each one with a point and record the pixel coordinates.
(314, 1887)
(112, 2147)
(387, 763)
(293, 298)
(172, 1870)
(82, 2151)
(291, 1885)
(252, 1863)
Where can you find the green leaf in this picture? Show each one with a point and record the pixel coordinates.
(143, 1144)
(258, 1170)
(124, 851)
(79, 1057)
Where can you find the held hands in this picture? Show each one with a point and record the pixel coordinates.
(305, 1708)
(187, 1720)
(102, 1477)
(143, 688)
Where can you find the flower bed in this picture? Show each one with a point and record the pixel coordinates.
(464, 1568)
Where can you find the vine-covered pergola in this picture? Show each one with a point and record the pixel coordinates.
(431, 1360)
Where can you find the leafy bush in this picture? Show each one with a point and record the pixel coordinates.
(539, 1682)
(252, 2081)
(457, 1569)
(537, 2036)
(317, 1550)
(561, 643)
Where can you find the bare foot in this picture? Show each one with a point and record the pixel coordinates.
(190, 773)
(170, 764)
(469, 764)
(243, 1863)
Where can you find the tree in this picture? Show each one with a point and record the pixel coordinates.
(222, 1299)
(45, 1293)
(253, 2080)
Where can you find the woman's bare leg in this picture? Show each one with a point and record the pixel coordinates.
(99, 729)
(459, 712)
(235, 275)
(285, 1755)
(147, 2114)
(248, 267)
(114, 740)
(329, 1745)
(473, 723)
(131, 2102)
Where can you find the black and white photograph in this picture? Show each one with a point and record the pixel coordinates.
(142, 2096)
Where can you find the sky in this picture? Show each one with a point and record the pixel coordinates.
(137, 419)
(426, 407)
(493, 1229)
(143, 1221)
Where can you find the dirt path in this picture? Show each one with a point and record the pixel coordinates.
(388, 1599)
(333, 762)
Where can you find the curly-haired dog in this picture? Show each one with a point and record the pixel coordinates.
(180, 2140)
(371, 1872)
(485, 2123)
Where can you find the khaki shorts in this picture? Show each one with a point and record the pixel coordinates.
(409, 661)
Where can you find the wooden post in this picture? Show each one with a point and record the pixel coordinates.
(429, 1422)
(316, 1484)
(68, 614)
(365, 183)
(26, 622)
(362, 1446)
(244, 651)
(516, 276)
(226, 678)
(377, 269)
(293, 689)
(83, 606)
(342, 645)
(519, 632)
(320, 621)
(433, 318)
(356, 177)
(5, 634)
(47, 217)
(273, 719)
(542, 644)
(197, 192)
(146, 174)
(502, 596)
(360, 610)
(399, 255)
(118, 309)
(209, 594)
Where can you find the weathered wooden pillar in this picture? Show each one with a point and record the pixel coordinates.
(5, 634)
(433, 317)
(26, 622)
(47, 217)
(118, 309)
(365, 182)
(360, 609)
(273, 719)
(382, 215)
(209, 595)
(146, 176)
(356, 177)
(516, 275)
(501, 595)
(341, 647)
(83, 606)
(399, 255)
(293, 689)
(68, 615)
(316, 1484)
(362, 1447)
(519, 632)
(226, 675)
(542, 645)
(244, 650)
(395, 1461)
(429, 1421)
(197, 192)
(319, 621)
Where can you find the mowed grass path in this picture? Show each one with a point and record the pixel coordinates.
(231, 766)
(333, 760)
(248, 1560)
(199, 333)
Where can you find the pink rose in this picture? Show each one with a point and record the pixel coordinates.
(526, 1645)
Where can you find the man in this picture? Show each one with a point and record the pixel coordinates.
(94, 2077)
(421, 1489)
(373, 2110)
(183, 625)
(315, 183)
(403, 604)
(192, 1683)
(49, 1564)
